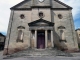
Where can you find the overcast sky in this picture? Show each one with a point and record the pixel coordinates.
(5, 12)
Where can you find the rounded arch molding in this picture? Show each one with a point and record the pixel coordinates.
(20, 27)
(61, 27)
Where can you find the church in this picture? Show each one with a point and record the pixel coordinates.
(41, 24)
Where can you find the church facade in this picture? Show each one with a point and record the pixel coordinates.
(41, 24)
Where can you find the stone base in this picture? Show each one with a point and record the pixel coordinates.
(11, 51)
(15, 50)
(39, 53)
(72, 50)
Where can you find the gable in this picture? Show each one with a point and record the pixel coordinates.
(41, 22)
(59, 4)
(26, 4)
(22, 5)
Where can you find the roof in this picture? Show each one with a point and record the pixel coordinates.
(2, 35)
(63, 4)
(78, 29)
(29, 6)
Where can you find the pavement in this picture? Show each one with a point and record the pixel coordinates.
(77, 57)
(1, 55)
(45, 58)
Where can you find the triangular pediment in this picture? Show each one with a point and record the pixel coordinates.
(27, 4)
(41, 22)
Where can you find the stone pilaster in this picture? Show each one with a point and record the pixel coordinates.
(52, 38)
(35, 42)
(46, 38)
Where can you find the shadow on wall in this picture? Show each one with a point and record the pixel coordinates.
(60, 45)
(15, 47)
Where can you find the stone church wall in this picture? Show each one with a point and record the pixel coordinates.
(16, 21)
(12, 34)
(66, 21)
(61, 18)
(46, 12)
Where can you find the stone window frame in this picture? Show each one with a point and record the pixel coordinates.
(41, 16)
(62, 39)
(20, 30)
(22, 16)
(60, 16)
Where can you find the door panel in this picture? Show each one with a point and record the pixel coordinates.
(41, 39)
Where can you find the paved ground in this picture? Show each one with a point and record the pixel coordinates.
(45, 58)
(77, 57)
(1, 55)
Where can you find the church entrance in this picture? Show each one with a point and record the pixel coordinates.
(41, 39)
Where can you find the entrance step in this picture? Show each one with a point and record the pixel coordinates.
(40, 53)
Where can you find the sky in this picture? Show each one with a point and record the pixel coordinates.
(5, 12)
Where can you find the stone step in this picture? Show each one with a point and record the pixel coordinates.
(37, 53)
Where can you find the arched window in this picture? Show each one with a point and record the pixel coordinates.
(61, 30)
(61, 27)
(62, 36)
(20, 36)
(20, 33)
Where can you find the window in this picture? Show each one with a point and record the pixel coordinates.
(60, 16)
(20, 33)
(62, 33)
(62, 36)
(20, 36)
(61, 27)
(22, 16)
(20, 27)
(41, 15)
